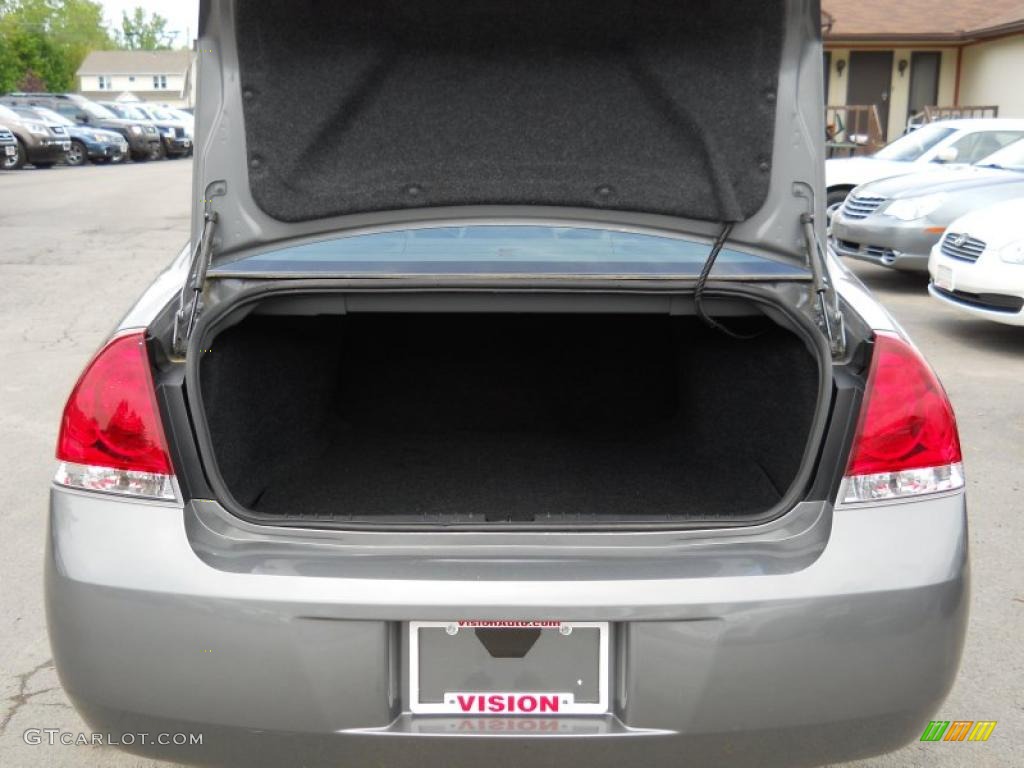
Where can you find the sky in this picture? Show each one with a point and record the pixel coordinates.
(182, 15)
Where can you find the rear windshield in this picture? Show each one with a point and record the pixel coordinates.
(514, 249)
(910, 147)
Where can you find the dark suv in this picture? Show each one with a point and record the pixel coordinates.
(172, 132)
(38, 144)
(143, 138)
(8, 149)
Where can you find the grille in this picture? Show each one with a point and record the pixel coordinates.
(6, 135)
(960, 246)
(60, 130)
(861, 207)
(179, 132)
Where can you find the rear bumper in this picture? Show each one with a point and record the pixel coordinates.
(280, 662)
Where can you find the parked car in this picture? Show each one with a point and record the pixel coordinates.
(172, 130)
(38, 144)
(978, 266)
(896, 222)
(492, 422)
(8, 149)
(927, 148)
(87, 144)
(143, 139)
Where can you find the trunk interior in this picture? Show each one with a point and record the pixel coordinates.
(506, 418)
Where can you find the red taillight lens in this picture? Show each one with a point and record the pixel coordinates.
(906, 426)
(111, 419)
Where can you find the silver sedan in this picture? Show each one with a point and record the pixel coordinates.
(896, 222)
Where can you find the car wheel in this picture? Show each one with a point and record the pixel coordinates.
(15, 161)
(115, 159)
(836, 196)
(77, 155)
(158, 152)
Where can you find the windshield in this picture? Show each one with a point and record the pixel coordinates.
(510, 249)
(910, 147)
(1011, 157)
(131, 113)
(96, 110)
(52, 117)
(160, 114)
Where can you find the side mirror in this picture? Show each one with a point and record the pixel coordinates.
(947, 155)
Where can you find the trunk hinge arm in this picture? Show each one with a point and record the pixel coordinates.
(830, 316)
(189, 300)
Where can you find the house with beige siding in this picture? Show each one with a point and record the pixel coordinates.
(903, 56)
(165, 77)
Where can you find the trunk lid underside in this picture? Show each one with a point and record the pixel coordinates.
(683, 115)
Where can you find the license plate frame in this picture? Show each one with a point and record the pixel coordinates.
(10, 151)
(944, 277)
(452, 707)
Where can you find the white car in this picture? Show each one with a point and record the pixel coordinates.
(978, 265)
(931, 146)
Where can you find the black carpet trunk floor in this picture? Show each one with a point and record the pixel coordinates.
(506, 417)
(518, 477)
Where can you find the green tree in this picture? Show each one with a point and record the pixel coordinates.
(142, 33)
(49, 39)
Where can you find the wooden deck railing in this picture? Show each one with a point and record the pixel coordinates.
(853, 129)
(931, 114)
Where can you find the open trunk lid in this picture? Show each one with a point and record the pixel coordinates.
(680, 115)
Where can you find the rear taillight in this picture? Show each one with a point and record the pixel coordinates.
(906, 442)
(111, 438)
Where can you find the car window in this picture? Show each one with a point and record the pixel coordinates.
(510, 249)
(975, 146)
(910, 147)
(97, 111)
(1011, 157)
(52, 116)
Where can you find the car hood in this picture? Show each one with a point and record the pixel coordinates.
(961, 178)
(678, 115)
(997, 224)
(114, 122)
(843, 171)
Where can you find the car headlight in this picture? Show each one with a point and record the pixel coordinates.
(1013, 253)
(914, 207)
(136, 129)
(37, 128)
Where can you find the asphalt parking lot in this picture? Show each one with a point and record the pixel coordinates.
(78, 245)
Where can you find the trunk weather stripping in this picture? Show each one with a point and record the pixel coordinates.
(202, 256)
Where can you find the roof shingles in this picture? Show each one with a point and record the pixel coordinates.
(136, 63)
(919, 18)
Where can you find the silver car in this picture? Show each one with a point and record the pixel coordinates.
(512, 411)
(896, 222)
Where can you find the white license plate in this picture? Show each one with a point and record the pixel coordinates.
(943, 277)
(473, 668)
(10, 151)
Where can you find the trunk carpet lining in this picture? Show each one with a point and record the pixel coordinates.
(506, 417)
